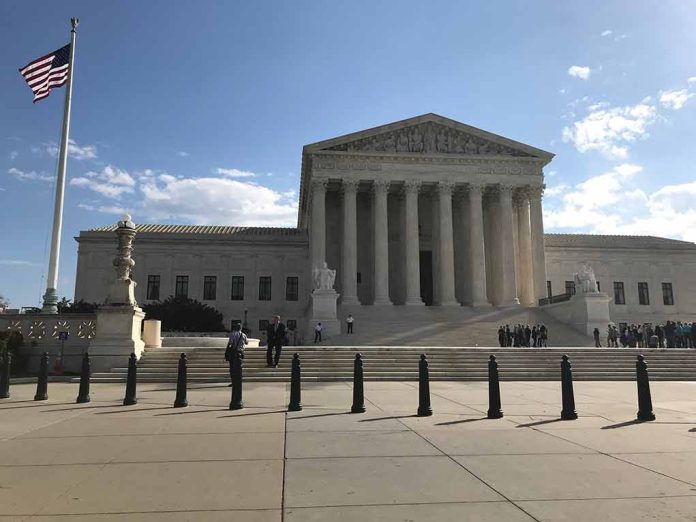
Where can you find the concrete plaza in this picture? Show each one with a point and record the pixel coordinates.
(102, 461)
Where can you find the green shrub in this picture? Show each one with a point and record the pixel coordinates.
(181, 314)
(14, 343)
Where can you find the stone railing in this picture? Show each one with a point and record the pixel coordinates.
(41, 333)
(555, 299)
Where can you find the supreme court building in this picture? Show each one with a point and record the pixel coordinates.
(422, 212)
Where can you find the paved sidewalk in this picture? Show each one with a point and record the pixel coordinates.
(102, 461)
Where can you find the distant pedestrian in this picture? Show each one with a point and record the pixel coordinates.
(235, 344)
(317, 333)
(543, 336)
(275, 335)
(596, 338)
(501, 337)
(527, 336)
(349, 323)
(535, 334)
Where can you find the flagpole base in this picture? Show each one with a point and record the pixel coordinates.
(50, 302)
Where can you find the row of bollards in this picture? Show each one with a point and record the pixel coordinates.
(495, 411)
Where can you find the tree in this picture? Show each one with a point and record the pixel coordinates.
(181, 314)
(78, 307)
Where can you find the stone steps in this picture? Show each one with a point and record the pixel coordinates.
(335, 363)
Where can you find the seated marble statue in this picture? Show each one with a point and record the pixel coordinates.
(323, 277)
(585, 279)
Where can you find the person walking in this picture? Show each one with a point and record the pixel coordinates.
(235, 344)
(349, 323)
(317, 333)
(596, 338)
(535, 334)
(543, 336)
(275, 334)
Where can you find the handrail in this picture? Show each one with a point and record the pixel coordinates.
(555, 299)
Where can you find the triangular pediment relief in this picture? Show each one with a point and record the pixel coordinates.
(429, 134)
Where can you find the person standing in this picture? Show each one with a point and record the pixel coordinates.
(535, 334)
(235, 344)
(501, 337)
(275, 334)
(543, 336)
(349, 323)
(596, 338)
(317, 333)
(527, 336)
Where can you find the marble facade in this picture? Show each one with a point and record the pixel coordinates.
(425, 211)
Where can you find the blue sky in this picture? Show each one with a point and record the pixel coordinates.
(198, 113)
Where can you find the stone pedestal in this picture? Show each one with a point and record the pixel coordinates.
(324, 312)
(118, 335)
(584, 312)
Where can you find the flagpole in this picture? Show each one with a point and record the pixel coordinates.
(50, 298)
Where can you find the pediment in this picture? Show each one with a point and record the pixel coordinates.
(429, 134)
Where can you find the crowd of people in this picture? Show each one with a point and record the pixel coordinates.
(668, 335)
(523, 336)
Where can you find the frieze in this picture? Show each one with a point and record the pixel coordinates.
(429, 138)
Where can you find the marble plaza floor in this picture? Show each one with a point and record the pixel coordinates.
(102, 461)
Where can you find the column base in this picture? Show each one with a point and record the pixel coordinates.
(350, 300)
(381, 301)
(414, 301)
(449, 303)
(480, 304)
(514, 302)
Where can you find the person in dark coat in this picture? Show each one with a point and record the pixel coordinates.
(596, 338)
(275, 334)
(535, 334)
(527, 336)
(501, 337)
(508, 335)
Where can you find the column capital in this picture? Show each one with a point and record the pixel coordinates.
(319, 184)
(350, 185)
(412, 186)
(477, 188)
(535, 192)
(380, 186)
(445, 188)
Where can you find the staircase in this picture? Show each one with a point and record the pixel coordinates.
(335, 363)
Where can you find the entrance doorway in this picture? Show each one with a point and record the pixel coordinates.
(426, 276)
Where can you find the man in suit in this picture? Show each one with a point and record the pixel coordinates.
(275, 334)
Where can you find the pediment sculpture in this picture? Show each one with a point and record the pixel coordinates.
(428, 138)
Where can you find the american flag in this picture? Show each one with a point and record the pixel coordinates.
(47, 72)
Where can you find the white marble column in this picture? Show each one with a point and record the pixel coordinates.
(526, 281)
(537, 243)
(318, 230)
(479, 296)
(446, 267)
(508, 295)
(413, 294)
(349, 265)
(381, 189)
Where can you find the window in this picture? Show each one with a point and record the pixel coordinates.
(619, 296)
(209, 288)
(643, 294)
(263, 325)
(153, 287)
(291, 324)
(667, 295)
(181, 289)
(548, 289)
(599, 288)
(265, 288)
(570, 287)
(292, 289)
(237, 288)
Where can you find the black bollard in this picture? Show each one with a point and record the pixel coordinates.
(131, 381)
(42, 383)
(5, 376)
(181, 401)
(645, 410)
(295, 385)
(568, 397)
(424, 409)
(85, 375)
(358, 390)
(236, 361)
(494, 411)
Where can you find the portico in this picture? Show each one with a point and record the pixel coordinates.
(427, 211)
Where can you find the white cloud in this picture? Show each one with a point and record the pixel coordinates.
(79, 152)
(13, 155)
(675, 99)
(110, 182)
(183, 154)
(692, 79)
(219, 201)
(620, 37)
(607, 32)
(105, 209)
(561, 91)
(234, 173)
(579, 71)
(612, 203)
(610, 130)
(30, 175)
(556, 190)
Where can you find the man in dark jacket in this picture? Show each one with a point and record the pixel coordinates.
(275, 334)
